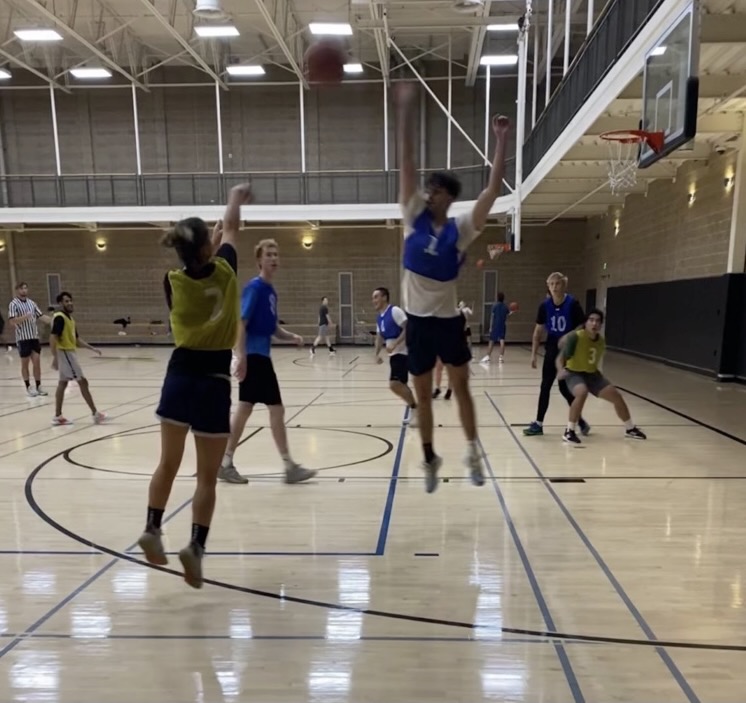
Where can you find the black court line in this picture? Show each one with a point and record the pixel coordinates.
(353, 361)
(542, 634)
(678, 413)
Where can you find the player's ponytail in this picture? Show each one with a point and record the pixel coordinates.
(188, 237)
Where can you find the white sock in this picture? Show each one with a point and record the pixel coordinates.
(629, 425)
(571, 426)
(286, 458)
(473, 447)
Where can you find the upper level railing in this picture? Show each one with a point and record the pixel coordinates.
(619, 24)
(280, 188)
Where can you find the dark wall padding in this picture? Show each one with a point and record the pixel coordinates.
(699, 323)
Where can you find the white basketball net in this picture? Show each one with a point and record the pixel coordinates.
(622, 165)
(496, 249)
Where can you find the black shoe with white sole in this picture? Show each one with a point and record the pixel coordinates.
(635, 433)
(571, 437)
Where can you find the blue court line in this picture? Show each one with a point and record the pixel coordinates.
(572, 680)
(73, 594)
(636, 614)
(384, 531)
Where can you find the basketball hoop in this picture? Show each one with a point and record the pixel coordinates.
(494, 250)
(624, 154)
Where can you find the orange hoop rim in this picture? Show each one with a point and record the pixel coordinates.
(635, 136)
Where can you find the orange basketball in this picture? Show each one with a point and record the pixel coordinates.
(513, 307)
(324, 61)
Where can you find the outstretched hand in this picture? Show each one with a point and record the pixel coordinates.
(244, 193)
(500, 125)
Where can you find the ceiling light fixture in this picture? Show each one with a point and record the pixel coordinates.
(91, 72)
(506, 60)
(4, 74)
(38, 35)
(353, 68)
(337, 29)
(509, 27)
(245, 70)
(215, 30)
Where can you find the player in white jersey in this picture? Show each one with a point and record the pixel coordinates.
(434, 246)
(23, 314)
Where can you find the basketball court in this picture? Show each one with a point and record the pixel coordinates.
(551, 582)
(612, 571)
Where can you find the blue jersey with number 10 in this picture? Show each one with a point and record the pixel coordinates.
(559, 317)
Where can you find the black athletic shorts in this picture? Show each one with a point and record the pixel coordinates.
(431, 337)
(399, 368)
(202, 403)
(27, 347)
(260, 383)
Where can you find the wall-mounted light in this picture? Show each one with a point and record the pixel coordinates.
(691, 197)
(616, 228)
(729, 181)
(307, 241)
(101, 244)
(2, 245)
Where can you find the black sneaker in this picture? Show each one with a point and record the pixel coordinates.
(436, 393)
(447, 396)
(585, 428)
(571, 437)
(635, 433)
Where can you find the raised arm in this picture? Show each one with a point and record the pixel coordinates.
(228, 233)
(486, 199)
(405, 95)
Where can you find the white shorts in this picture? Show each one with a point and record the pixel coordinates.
(69, 367)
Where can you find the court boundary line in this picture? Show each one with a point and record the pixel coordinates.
(567, 668)
(388, 508)
(615, 583)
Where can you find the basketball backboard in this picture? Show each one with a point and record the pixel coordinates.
(671, 86)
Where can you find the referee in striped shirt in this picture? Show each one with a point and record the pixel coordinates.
(23, 314)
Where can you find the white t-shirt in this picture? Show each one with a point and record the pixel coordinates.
(425, 297)
(400, 317)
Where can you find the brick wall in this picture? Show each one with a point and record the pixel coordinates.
(661, 237)
(126, 279)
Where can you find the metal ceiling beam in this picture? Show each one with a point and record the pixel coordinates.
(477, 41)
(280, 41)
(381, 47)
(558, 34)
(47, 14)
(22, 64)
(183, 42)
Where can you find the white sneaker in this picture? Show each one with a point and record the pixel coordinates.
(31, 392)
(100, 417)
(485, 360)
(473, 462)
(41, 391)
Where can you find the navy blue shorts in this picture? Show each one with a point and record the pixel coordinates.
(202, 403)
(498, 333)
(430, 338)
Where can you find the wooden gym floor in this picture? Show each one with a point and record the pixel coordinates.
(551, 583)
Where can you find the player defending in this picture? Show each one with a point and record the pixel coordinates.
(578, 362)
(64, 341)
(391, 324)
(259, 323)
(434, 245)
(203, 298)
(324, 323)
(559, 314)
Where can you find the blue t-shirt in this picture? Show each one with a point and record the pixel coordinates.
(259, 315)
(500, 314)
